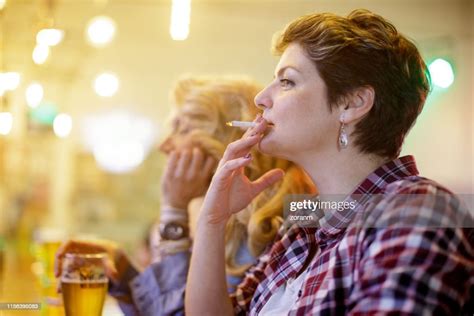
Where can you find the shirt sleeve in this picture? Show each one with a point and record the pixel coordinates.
(159, 290)
(243, 295)
(121, 291)
(416, 260)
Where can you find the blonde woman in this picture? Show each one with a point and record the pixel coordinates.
(199, 136)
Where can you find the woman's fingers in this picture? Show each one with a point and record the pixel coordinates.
(268, 179)
(259, 128)
(69, 246)
(250, 131)
(196, 163)
(72, 246)
(111, 270)
(240, 147)
(171, 164)
(230, 166)
(183, 163)
(209, 165)
(76, 246)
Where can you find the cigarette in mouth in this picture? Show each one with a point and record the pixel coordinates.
(241, 124)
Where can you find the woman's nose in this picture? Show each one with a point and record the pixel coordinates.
(262, 99)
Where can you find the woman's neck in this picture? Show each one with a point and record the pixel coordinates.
(341, 171)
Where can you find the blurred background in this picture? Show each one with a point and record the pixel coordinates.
(84, 102)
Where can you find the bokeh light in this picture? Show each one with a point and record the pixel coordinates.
(9, 80)
(6, 123)
(49, 37)
(62, 125)
(34, 94)
(40, 54)
(442, 74)
(106, 84)
(100, 31)
(180, 19)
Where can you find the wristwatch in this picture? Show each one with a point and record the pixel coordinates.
(174, 231)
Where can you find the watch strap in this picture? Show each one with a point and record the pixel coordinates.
(173, 214)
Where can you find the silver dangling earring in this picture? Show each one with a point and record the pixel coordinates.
(343, 139)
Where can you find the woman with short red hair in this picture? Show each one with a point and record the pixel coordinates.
(345, 93)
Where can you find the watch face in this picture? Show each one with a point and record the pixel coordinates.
(173, 231)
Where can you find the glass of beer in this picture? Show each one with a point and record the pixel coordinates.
(2, 262)
(47, 242)
(83, 284)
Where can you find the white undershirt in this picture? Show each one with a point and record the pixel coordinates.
(285, 297)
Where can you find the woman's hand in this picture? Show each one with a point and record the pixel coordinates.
(186, 176)
(230, 190)
(114, 264)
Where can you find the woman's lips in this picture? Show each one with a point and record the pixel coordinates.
(270, 127)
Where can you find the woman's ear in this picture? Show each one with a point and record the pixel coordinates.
(357, 104)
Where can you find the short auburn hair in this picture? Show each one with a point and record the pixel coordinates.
(361, 50)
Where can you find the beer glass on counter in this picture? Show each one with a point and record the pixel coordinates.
(2, 264)
(83, 284)
(47, 242)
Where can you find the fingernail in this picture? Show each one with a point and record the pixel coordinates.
(248, 156)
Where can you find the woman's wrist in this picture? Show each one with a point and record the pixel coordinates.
(174, 203)
(170, 213)
(171, 247)
(209, 222)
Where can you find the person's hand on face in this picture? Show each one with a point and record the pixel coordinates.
(186, 176)
(231, 190)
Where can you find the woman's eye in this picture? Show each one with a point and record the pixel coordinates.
(285, 83)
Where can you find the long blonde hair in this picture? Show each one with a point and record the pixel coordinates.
(223, 99)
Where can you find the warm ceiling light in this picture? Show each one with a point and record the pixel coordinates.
(180, 16)
(49, 37)
(9, 80)
(100, 30)
(40, 54)
(62, 125)
(119, 140)
(6, 123)
(2, 4)
(34, 94)
(106, 84)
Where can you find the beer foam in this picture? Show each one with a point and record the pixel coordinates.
(46, 234)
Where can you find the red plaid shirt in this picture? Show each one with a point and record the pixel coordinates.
(394, 264)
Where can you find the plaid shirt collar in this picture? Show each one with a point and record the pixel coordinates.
(333, 223)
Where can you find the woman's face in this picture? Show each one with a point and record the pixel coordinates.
(186, 121)
(295, 103)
